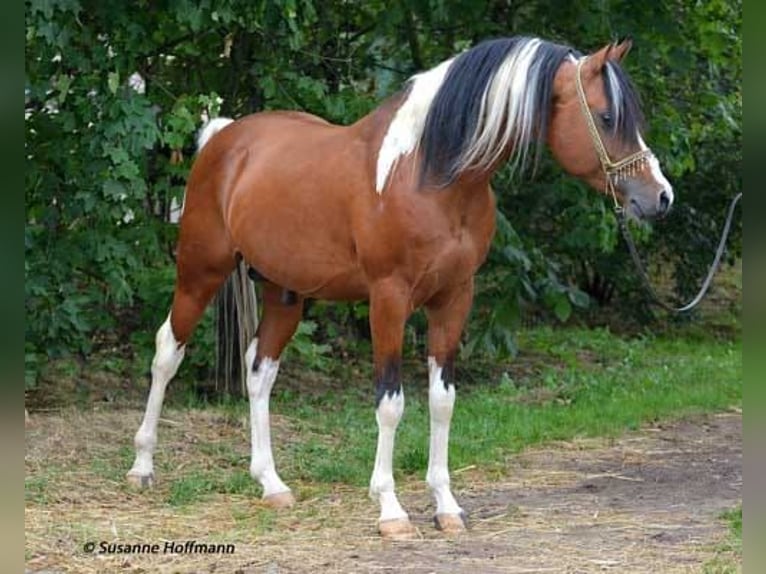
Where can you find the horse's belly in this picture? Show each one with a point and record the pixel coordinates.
(298, 237)
(348, 286)
(307, 262)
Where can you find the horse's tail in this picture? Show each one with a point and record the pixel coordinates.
(236, 307)
(236, 319)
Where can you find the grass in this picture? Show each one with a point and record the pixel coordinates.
(565, 383)
(35, 489)
(568, 383)
(734, 518)
(728, 559)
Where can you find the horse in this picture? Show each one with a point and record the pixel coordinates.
(396, 209)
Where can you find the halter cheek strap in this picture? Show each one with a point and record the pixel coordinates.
(614, 171)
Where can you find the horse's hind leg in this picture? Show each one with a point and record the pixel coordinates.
(277, 326)
(193, 292)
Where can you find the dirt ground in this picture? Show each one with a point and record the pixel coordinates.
(649, 501)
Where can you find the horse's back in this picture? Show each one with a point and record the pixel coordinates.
(285, 117)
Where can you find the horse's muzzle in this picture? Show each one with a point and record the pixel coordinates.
(665, 202)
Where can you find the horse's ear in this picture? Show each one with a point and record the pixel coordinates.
(618, 50)
(597, 60)
(614, 51)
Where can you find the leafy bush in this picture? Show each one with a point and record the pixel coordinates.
(115, 93)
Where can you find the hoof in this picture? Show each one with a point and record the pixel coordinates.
(397, 529)
(280, 499)
(140, 480)
(451, 523)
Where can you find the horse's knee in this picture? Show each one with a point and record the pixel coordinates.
(262, 372)
(390, 409)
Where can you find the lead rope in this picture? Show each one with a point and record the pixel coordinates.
(624, 168)
(713, 268)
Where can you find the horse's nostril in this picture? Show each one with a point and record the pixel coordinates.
(664, 201)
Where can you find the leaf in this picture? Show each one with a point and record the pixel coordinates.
(507, 313)
(113, 81)
(113, 189)
(579, 298)
(63, 84)
(562, 308)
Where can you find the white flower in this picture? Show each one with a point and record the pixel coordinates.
(136, 82)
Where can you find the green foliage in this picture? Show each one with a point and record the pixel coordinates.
(516, 276)
(687, 65)
(310, 353)
(106, 160)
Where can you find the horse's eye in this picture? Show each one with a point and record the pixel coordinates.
(606, 119)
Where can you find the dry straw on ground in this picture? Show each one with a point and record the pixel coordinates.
(648, 502)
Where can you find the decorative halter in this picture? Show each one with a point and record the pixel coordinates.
(613, 171)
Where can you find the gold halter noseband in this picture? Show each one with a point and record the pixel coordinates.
(613, 171)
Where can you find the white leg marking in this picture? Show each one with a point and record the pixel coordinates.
(259, 385)
(168, 356)
(441, 400)
(388, 415)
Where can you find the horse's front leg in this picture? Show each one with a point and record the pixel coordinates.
(389, 307)
(446, 314)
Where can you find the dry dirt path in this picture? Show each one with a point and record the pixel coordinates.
(649, 502)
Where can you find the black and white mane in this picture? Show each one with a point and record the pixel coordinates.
(467, 111)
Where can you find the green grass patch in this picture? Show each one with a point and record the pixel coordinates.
(734, 518)
(581, 383)
(728, 559)
(196, 485)
(565, 383)
(35, 489)
(191, 488)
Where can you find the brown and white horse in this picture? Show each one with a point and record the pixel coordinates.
(396, 208)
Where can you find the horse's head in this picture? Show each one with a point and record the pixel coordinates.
(595, 132)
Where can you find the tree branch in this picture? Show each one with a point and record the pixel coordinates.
(412, 37)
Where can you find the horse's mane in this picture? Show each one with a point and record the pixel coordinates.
(468, 110)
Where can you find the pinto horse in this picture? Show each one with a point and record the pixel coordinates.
(397, 209)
